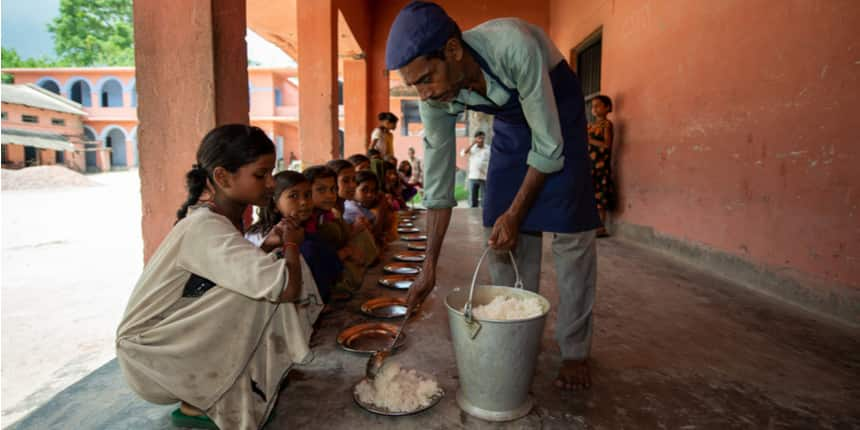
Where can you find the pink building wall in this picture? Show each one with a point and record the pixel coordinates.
(277, 121)
(735, 124)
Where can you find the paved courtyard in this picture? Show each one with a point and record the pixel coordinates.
(70, 259)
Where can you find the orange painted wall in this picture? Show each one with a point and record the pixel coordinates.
(734, 123)
(262, 94)
(356, 129)
(318, 73)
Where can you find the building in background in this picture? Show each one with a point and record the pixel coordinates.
(105, 100)
(42, 128)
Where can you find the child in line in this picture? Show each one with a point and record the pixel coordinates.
(360, 162)
(345, 172)
(405, 172)
(214, 322)
(366, 196)
(390, 200)
(393, 187)
(292, 199)
(328, 227)
(361, 237)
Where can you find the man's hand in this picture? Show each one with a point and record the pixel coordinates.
(437, 226)
(420, 289)
(507, 226)
(505, 232)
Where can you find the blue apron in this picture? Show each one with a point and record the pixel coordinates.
(566, 202)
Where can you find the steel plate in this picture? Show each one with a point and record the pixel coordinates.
(368, 338)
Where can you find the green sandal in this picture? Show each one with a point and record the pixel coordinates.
(201, 421)
(196, 422)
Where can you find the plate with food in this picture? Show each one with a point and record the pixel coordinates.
(397, 391)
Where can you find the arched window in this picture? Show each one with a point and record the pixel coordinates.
(50, 85)
(81, 93)
(111, 93)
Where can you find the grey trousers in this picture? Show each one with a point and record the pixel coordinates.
(576, 271)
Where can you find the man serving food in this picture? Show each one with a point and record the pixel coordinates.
(538, 179)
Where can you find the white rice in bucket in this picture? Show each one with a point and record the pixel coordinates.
(398, 390)
(509, 308)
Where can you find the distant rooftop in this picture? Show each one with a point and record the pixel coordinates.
(33, 96)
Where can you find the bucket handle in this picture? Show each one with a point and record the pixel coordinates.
(467, 310)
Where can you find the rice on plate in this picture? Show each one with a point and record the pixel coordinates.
(509, 308)
(398, 390)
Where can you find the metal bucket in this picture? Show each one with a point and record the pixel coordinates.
(495, 359)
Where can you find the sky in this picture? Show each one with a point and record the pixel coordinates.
(24, 28)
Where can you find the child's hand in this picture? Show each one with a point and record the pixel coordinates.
(384, 204)
(274, 239)
(345, 253)
(293, 232)
(357, 255)
(361, 223)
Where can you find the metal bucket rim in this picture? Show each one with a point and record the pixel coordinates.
(519, 290)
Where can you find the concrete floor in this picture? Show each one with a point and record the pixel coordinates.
(673, 348)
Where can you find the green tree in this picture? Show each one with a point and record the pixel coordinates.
(12, 59)
(94, 33)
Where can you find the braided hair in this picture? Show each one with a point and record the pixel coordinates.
(228, 146)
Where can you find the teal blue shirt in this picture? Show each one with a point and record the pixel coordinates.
(521, 55)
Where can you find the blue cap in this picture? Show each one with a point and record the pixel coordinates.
(419, 29)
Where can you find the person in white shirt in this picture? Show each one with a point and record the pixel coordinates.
(479, 159)
(382, 138)
(417, 176)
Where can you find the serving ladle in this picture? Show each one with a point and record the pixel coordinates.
(377, 359)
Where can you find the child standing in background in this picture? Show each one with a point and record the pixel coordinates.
(382, 139)
(600, 151)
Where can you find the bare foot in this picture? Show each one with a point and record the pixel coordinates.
(574, 375)
(189, 410)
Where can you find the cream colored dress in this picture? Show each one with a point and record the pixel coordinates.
(226, 351)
